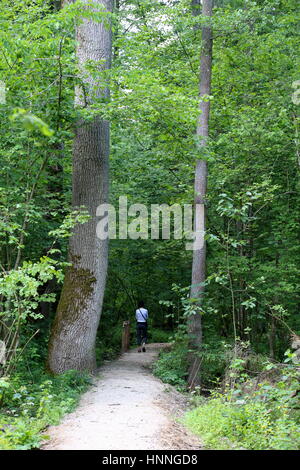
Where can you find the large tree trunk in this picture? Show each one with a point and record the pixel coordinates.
(199, 254)
(72, 342)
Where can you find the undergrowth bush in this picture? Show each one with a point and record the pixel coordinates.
(171, 366)
(265, 419)
(157, 335)
(108, 343)
(27, 407)
(213, 362)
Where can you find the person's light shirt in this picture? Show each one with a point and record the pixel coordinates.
(141, 315)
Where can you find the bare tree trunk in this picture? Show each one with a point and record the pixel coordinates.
(199, 255)
(72, 342)
(271, 337)
(116, 31)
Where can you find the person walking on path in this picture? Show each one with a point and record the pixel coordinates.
(141, 315)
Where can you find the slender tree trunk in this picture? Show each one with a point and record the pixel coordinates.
(72, 342)
(116, 49)
(199, 255)
(271, 337)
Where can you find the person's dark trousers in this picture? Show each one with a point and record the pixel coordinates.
(141, 332)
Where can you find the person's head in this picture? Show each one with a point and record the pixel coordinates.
(141, 304)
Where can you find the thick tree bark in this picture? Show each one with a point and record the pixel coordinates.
(199, 255)
(72, 342)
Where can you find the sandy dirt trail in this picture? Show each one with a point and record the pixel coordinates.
(127, 408)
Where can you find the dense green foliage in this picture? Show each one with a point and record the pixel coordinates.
(253, 255)
(262, 419)
(33, 400)
(171, 367)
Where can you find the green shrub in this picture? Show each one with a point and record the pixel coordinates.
(156, 335)
(29, 409)
(108, 344)
(213, 362)
(223, 425)
(171, 366)
(265, 419)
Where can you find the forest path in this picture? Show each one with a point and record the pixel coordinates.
(126, 409)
